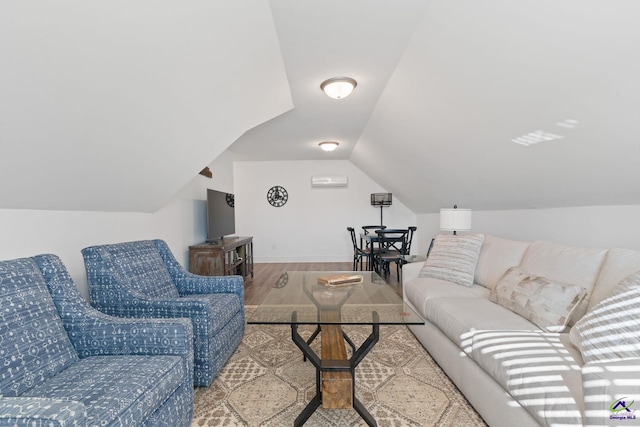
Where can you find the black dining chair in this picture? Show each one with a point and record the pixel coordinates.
(359, 253)
(369, 228)
(392, 247)
(412, 230)
(369, 244)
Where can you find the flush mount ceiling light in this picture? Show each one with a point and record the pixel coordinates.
(328, 145)
(338, 87)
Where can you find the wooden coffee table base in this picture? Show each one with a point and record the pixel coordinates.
(335, 373)
(337, 385)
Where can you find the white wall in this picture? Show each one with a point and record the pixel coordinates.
(181, 222)
(591, 226)
(311, 226)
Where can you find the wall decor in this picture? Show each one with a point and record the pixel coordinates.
(206, 172)
(277, 196)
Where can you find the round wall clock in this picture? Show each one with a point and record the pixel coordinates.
(231, 200)
(277, 196)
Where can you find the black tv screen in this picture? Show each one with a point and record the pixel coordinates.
(221, 220)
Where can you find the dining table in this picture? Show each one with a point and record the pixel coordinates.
(371, 239)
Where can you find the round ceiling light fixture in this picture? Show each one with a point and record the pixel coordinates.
(328, 145)
(338, 87)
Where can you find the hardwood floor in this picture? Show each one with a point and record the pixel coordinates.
(266, 274)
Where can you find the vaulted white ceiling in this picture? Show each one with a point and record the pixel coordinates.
(116, 105)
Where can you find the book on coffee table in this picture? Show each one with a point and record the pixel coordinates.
(341, 280)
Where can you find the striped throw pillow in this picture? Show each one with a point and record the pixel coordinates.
(611, 329)
(453, 258)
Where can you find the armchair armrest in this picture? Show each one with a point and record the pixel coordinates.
(94, 333)
(97, 334)
(102, 334)
(193, 284)
(611, 391)
(34, 411)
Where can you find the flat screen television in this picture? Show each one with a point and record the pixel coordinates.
(221, 220)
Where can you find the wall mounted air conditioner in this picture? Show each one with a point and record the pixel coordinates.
(329, 181)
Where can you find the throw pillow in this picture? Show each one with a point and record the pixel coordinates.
(611, 330)
(543, 302)
(453, 258)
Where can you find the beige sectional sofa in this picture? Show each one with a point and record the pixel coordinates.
(513, 366)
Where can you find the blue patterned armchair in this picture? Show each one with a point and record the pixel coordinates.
(143, 279)
(66, 364)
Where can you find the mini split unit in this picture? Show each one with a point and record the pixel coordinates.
(329, 181)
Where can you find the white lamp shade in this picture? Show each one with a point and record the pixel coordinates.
(455, 219)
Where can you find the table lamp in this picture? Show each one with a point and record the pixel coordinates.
(455, 219)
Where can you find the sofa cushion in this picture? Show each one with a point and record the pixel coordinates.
(497, 255)
(453, 258)
(611, 331)
(565, 264)
(116, 390)
(33, 343)
(548, 304)
(420, 290)
(541, 370)
(459, 318)
(141, 265)
(618, 264)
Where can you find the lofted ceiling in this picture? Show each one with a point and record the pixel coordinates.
(444, 87)
(116, 105)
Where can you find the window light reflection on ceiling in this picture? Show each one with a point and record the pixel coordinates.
(536, 137)
(540, 135)
(569, 123)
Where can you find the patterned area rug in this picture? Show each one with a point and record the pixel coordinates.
(266, 383)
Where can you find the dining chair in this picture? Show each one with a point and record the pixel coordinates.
(392, 247)
(359, 253)
(369, 228)
(412, 230)
(430, 247)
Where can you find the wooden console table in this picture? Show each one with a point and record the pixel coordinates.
(229, 256)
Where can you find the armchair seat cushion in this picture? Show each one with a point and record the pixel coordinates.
(116, 390)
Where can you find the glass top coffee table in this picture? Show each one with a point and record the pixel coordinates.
(304, 298)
